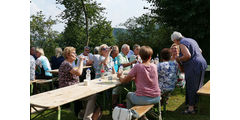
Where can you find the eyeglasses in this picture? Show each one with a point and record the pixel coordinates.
(103, 48)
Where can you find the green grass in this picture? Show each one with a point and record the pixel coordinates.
(174, 108)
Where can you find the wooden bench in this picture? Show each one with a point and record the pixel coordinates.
(141, 110)
(39, 82)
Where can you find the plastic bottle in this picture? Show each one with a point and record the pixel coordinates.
(120, 69)
(156, 60)
(88, 75)
(102, 72)
(110, 74)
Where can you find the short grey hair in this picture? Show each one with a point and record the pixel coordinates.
(96, 50)
(125, 46)
(176, 36)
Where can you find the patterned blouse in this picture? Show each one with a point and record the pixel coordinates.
(65, 77)
(32, 68)
(167, 75)
(109, 65)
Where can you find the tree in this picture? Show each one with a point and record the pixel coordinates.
(41, 33)
(144, 30)
(190, 17)
(99, 29)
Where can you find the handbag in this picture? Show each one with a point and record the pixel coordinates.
(123, 114)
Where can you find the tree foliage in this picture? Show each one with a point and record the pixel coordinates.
(190, 17)
(41, 33)
(100, 30)
(144, 30)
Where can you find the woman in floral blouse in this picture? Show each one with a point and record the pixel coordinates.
(70, 76)
(167, 73)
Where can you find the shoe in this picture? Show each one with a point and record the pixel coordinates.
(80, 114)
(189, 112)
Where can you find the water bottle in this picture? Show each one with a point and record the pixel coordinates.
(110, 77)
(120, 69)
(88, 75)
(152, 61)
(102, 72)
(156, 60)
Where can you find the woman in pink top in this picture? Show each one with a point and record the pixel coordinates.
(146, 80)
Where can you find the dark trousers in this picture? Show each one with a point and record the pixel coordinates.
(193, 84)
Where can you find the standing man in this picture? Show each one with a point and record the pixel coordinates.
(123, 59)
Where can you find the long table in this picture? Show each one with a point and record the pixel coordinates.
(56, 70)
(56, 98)
(205, 90)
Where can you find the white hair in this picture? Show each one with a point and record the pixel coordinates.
(58, 52)
(40, 50)
(176, 36)
(125, 46)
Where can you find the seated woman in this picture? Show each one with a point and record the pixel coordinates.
(167, 74)
(104, 62)
(174, 54)
(57, 60)
(136, 55)
(146, 81)
(42, 65)
(69, 76)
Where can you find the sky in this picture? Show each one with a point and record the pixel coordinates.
(117, 11)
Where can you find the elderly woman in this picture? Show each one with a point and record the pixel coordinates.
(167, 74)
(146, 80)
(114, 54)
(136, 55)
(43, 64)
(194, 67)
(105, 61)
(174, 51)
(57, 60)
(69, 76)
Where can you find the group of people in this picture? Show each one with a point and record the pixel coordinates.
(151, 80)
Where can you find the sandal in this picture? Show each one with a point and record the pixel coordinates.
(189, 112)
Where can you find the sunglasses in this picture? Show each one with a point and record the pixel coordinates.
(103, 48)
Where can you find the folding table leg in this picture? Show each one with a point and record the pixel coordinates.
(59, 112)
(159, 111)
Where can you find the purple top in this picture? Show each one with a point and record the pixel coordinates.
(146, 80)
(197, 63)
(65, 77)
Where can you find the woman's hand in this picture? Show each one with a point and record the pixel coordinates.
(119, 74)
(81, 58)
